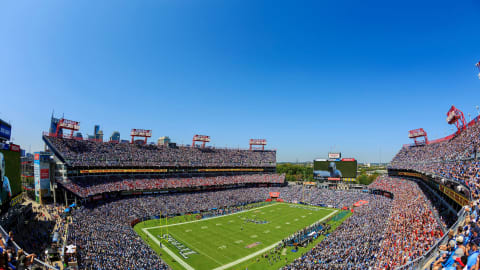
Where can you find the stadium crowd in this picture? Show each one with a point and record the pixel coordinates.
(83, 153)
(106, 240)
(379, 235)
(412, 227)
(355, 243)
(382, 234)
(454, 158)
(88, 186)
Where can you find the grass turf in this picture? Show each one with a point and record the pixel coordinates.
(223, 240)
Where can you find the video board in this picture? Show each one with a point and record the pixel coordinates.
(335, 168)
(10, 183)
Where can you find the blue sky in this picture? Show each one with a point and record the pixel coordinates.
(309, 76)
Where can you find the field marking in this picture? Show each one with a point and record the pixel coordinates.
(248, 257)
(187, 243)
(204, 219)
(228, 265)
(171, 253)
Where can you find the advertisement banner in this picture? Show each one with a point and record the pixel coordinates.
(124, 171)
(44, 173)
(36, 173)
(41, 172)
(461, 200)
(334, 155)
(274, 194)
(5, 131)
(14, 147)
(16, 200)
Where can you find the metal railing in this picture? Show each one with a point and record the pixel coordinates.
(434, 251)
(36, 262)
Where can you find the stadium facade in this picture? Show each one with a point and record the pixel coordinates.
(90, 169)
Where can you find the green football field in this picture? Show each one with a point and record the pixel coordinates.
(234, 241)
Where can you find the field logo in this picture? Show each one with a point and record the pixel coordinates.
(182, 249)
(253, 245)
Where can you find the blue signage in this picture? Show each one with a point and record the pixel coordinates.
(5, 131)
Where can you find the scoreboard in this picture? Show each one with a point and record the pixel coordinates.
(335, 168)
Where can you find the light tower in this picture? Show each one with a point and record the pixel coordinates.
(200, 138)
(418, 133)
(456, 117)
(143, 133)
(67, 124)
(260, 142)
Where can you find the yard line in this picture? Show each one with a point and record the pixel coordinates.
(204, 219)
(228, 265)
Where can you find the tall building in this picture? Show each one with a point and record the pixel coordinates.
(115, 137)
(53, 125)
(78, 135)
(96, 129)
(163, 141)
(97, 133)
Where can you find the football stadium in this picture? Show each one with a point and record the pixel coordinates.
(245, 135)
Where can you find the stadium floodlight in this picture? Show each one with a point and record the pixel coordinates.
(258, 142)
(418, 133)
(143, 133)
(456, 117)
(200, 138)
(67, 124)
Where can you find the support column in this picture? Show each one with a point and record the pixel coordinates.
(54, 195)
(66, 201)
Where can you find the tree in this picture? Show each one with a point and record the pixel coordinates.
(295, 172)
